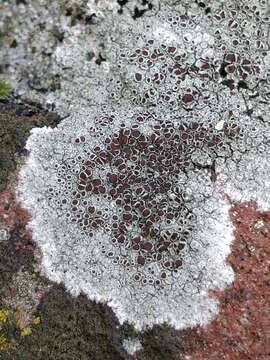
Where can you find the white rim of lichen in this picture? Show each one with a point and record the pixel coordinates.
(243, 177)
(69, 259)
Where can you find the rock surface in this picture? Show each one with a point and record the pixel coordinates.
(193, 64)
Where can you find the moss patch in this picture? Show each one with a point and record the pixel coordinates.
(11, 260)
(16, 121)
(71, 328)
(160, 343)
(5, 89)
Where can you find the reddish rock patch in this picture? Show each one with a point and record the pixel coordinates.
(14, 218)
(242, 329)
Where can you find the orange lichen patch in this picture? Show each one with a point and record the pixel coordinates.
(242, 329)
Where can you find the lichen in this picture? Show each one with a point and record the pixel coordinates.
(3, 315)
(26, 331)
(4, 344)
(36, 320)
(132, 345)
(151, 236)
(16, 246)
(130, 194)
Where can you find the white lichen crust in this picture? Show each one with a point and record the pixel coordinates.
(132, 345)
(94, 264)
(130, 194)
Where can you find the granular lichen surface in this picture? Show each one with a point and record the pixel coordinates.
(166, 126)
(128, 199)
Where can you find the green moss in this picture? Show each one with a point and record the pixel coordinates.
(71, 329)
(5, 89)
(16, 121)
(128, 331)
(11, 260)
(160, 343)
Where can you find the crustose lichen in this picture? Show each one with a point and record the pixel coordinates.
(127, 195)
